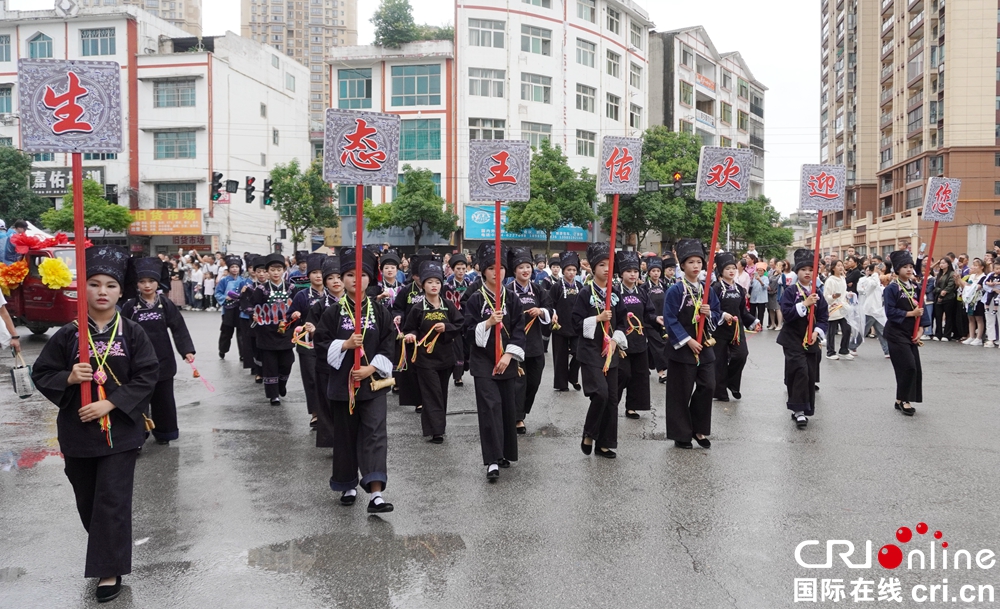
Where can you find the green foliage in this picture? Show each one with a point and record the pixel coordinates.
(758, 222)
(560, 196)
(97, 212)
(416, 206)
(394, 26)
(17, 201)
(304, 202)
(435, 32)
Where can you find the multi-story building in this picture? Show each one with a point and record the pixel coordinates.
(895, 111)
(695, 89)
(184, 14)
(304, 30)
(190, 107)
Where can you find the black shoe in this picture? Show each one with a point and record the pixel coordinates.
(801, 421)
(562, 390)
(606, 453)
(907, 411)
(680, 444)
(662, 380)
(222, 355)
(109, 593)
(258, 379)
(275, 401)
(314, 423)
(282, 391)
(703, 442)
(382, 508)
(504, 464)
(492, 475)
(163, 442)
(586, 448)
(418, 409)
(522, 430)
(631, 414)
(816, 388)
(346, 499)
(576, 386)
(726, 399)
(459, 382)
(395, 389)
(437, 440)
(737, 395)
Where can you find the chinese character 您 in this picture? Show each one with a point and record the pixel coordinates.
(805, 590)
(362, 150)
(65, 107)
(942, 199)
(722, 175)
(619, 166)
(57, 179)
(822, 186)
(39, 179)
(500, 170)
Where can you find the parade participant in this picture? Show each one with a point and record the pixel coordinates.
(546, 283)
(564, 340)
(730, 348)
(298, 275)
(602, 337)
(691, 374)
(491, 305)
(100, 441)
(431, 327)
(991, 305)
(803, 351)
(360, 440)
(456, 288)
(901, 310)
(633, 369)
(301, 303)
(537, 314)
(271, 302)
(384, 290)
(227, 294)
(256, 279)
(333, 291)
(409, 296)
(538, 272)
(656, 288)
(156, 314)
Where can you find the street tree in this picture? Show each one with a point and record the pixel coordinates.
(394, 26)
(97, 212)
(758, 222)
(17, 201)
(304, 201)
(417, 206)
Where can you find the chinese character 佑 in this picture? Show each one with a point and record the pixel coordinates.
(500, 170)
(942, 199)
(619, 165)
(822, 186)
(362, 150)
(65, 107)
(722, 175)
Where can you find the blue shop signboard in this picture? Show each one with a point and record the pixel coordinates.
(480, 224)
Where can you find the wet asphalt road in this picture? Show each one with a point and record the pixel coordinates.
(237, 513)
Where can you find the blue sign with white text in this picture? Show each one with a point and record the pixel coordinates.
(480, 225)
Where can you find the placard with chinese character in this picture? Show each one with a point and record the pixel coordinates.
(724, 175)
(618, 172)
(941, 199)
(57, 181)
(823, 187)
(361, 148)
(70, 106)
(166, 222)
(499, 170)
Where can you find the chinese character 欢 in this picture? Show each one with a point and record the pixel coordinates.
(721, 175)
(832, 589)
(361, 149)
(500, 170)
(57, 179)
(65, 107)
(39, 179)
(805, 590)
(890, 590)
(862, 590)
(823, 186)
(942, 199)
(619, 166)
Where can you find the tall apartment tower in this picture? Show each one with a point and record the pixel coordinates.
(911, 89)
(304, 30)
(185, 14)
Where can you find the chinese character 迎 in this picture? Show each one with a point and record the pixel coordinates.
(805, 590)
(619, 167)
(942, 199)
(39, 179)
(500, 170)
(722, 175)
(57, 179)
(862, 590)
(890, 590)
(362, 150)
(832, 589)
(823, 186)
(65, 107)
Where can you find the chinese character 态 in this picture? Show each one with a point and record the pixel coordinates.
(805, 590)
(942, 199)
(832, 589)
(57, 179)
(500, 170)
(65, 107)
(39, 179)
(619, 167)
(823, 186)
(361, 149)
(862, 590)
(722, 175)
(890, 590)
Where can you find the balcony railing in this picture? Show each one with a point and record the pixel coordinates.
(885, 119)
(756, 141)
(758, 110)
(915, 47)
(886, 186)
(917, 20)
(887, 47)
(914, 127)
(886, 96)
(886, 4)
(914, 151)
(915, 99)
(885, 141)
(886, 70)
(705, 117)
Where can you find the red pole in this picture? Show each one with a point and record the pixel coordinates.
(923, 284)
(79, 233)
(496, 277)
(815, 281)
(611, 262)
(709, 261)
(359, 236)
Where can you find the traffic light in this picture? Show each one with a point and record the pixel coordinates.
(250, 188)
(678, 186)
(216, 185)
(268, 200)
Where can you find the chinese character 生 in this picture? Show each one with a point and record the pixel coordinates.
(723, 175)
(66, 108)
(362, 150)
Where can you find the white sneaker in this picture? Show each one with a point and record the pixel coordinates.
(854, 352)
(976, 343)
(943, 339)
(935, 338)
(967, 341)
(886, 356)
(989, 344)
(834, 356)
(847, 356)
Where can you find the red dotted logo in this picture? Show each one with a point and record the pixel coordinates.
(890, 555)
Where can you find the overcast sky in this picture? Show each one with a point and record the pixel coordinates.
(780, 44)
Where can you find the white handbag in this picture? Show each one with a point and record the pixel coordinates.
(20, 377)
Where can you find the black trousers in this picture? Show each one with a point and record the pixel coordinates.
(103, 489)
(324, 408)
(905, 358)
(944, 318)
(360, 443)
(307, 366)
(845, 338)
(527, 385)
(226, 331)
(801, 376)
(462, 354)
(163, 410)
(276, 366)
(757, 309)
(246, 344)
(566, 368)
(657, 353)
(409, 388)
(495, 405)
(729, 363)
(601, 424)
(434, 391)
(689, 400)
(633, 375)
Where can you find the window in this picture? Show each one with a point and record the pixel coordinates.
(687, 94)
(634, 116)
(40, 47)
(586, 98)
(726, 113)
(98, 42)
(725, 142)
(744, 89)
(176, 196)
(486, 33)
(6, 142)
(173, 94)
(348, 199)
(541, 3)
(687, 57)
(727, 80)
(416, 85)
(174, 145)
(687, 127)
(586, 51)
(587, 10)
(635, 36)
(996, 159)
(743, 120)
(263, 160)
(99, 156)
(5, 48)
(536, 40)
(635, 76)
(274, 61)
(355, 88)
(290, 82)
(41, 157)
(274, 136)
(435, 177)
(586, 143)
(614, 64)
(5, 101)
(535, 133)
(486, 128)
(914, 197)
(614, 21)
(612, 107)
(535, 87)
(420, 140)
(486, 83)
